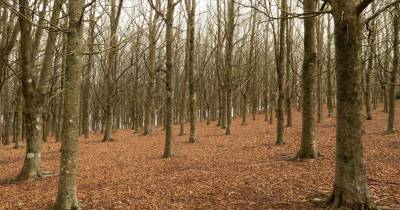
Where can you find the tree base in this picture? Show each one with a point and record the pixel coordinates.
(192, 140)
(337, 201)
(29, 174)
(391, 131)
(307, 155)
(168, 155)
(66, 205)
(108, 140)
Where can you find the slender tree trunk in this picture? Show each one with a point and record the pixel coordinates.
(191, 9)
(185, 82)
(281, 73)
(244, 108)
(66, 196)
(320, 43)
(149, 106)
(7, 115)
(308, 147)
(267, 77)
(87, 76)
(395, 69)
(329, 94)
(18, 119)
(369, 69)
(110, 71)
(169, 102)
(230, 28)
(288, 93)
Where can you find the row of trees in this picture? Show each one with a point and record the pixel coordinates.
(142, 66)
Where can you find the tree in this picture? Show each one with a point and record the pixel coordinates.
(35, 91)
(288, 88)
(370, 67)
(169, 39)
(281, 72)
(153, 29)
(350, 190)
(87, 76)
(395, 69)
(320, 43)
(18, 118)
(229, 32)
(329, 93)
(111, 70)
(308, 148)
(191, 10)
(220, 72)
(66, 196)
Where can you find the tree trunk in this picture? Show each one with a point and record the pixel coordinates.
(329, 94)
(31, 166)
(320, 43)
(308, 148)
(66, 196)
(218, 61)
(18, 119)
(281, 73)
(230, 28)
(369, 69)
(244, 108)
(110, 71)
(87, 75)
(395, 69)
(191, 9)
(351, 188)
(266, 75)
(185, 82)
(169, 103)
(288, 94)
(149, 106)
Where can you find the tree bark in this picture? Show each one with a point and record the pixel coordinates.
(149, 106)
(87, 76)
(320, 43)
(288, 93)
(308, 147)
(66, 196)
(281, 73)
(230, 28)
(395, 69)
(31, 165)
(111, 70)
(191, 9)
(329, 94)
(18, 119)
(370, 67)
(350, 189)
(169, 103)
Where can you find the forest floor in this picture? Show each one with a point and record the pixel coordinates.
(243, 171)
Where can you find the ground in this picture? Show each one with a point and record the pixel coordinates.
(243, 171)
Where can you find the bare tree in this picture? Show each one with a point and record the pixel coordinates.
(229, 45)
(350, 189)
(66, 196)
(395, 69)
(308, 148)
(281, 72)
